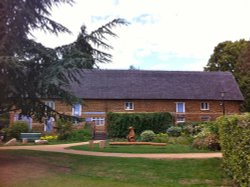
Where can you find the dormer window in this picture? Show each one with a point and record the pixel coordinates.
(129, 106)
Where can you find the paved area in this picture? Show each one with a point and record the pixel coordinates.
(63, 148)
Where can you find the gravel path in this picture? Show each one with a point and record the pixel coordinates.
(63, 148)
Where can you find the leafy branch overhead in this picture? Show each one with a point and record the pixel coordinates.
(30, 71)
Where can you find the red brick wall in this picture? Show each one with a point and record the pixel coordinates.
(192, 107)
(192, 113)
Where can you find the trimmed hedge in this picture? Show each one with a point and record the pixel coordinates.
(235, 143)
(118, 123)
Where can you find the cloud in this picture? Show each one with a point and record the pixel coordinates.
(162, 31)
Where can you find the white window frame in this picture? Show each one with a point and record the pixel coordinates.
(129, 105)
(73, 110)
(184, 107)
(206, 104)
(180, 121)
(99, 121)
(50, 104)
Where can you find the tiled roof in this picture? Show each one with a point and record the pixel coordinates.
(140, 84)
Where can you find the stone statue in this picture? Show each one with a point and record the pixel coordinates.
(131, 135)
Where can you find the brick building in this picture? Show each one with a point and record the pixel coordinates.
(189, 96)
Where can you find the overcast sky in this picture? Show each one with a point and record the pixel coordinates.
(162, 35)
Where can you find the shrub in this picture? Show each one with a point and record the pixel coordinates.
(210, 141)
(161, 138)
(4, 120)
(183, 140)
(147, 135)
(64, 128)
(17, 128)
(235, 144)
(80, 135)
(174, 131)
(50, 137)
(119, 123)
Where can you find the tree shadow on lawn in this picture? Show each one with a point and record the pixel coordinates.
(35, 168)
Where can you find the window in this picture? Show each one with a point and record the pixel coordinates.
(99, 121)
(50, 104)
(180, 107)
(205, 118)
(204, 106)
(180, 119)
(129, 106)
(77, 110)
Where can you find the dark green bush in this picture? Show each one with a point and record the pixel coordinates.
(17, 128)
(235, 143)
(147, 136)
(79, 135)
(4, 120)
(118, 123)
(174, 131)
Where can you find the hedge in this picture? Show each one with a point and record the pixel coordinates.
(235, 143)
(118, 123)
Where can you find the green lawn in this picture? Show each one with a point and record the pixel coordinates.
(39, 169)
(141, 149)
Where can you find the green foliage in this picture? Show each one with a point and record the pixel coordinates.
(225, 56)
(210, 141)
(118, 123)
(64, 128)
(234, 57)
(235, 143)
(180, 140)
(31, 71)
(17, 128)
(66, 131)
(161, 138)
(4, 120)
(79, 135)
(174, 131)
(244, 77)
(147, 136)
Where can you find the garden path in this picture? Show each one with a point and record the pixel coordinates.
(63, 148)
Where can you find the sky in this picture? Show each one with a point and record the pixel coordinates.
(177, 35)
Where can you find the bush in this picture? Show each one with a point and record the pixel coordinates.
(210, 141)
(118, 123)
(161, 138)
(17, 128)
(174, 131)
(64, 128)
(235, 144)
(182, 140)
(80, 135)
(49, 137)
(4, 120)
(147, 136)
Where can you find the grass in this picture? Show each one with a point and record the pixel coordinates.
(141, 149)
(91, 171)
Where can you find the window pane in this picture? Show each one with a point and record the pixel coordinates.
(180, 107)
(76, 111)
(50, 104)
(204, 106)
(129, 106)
